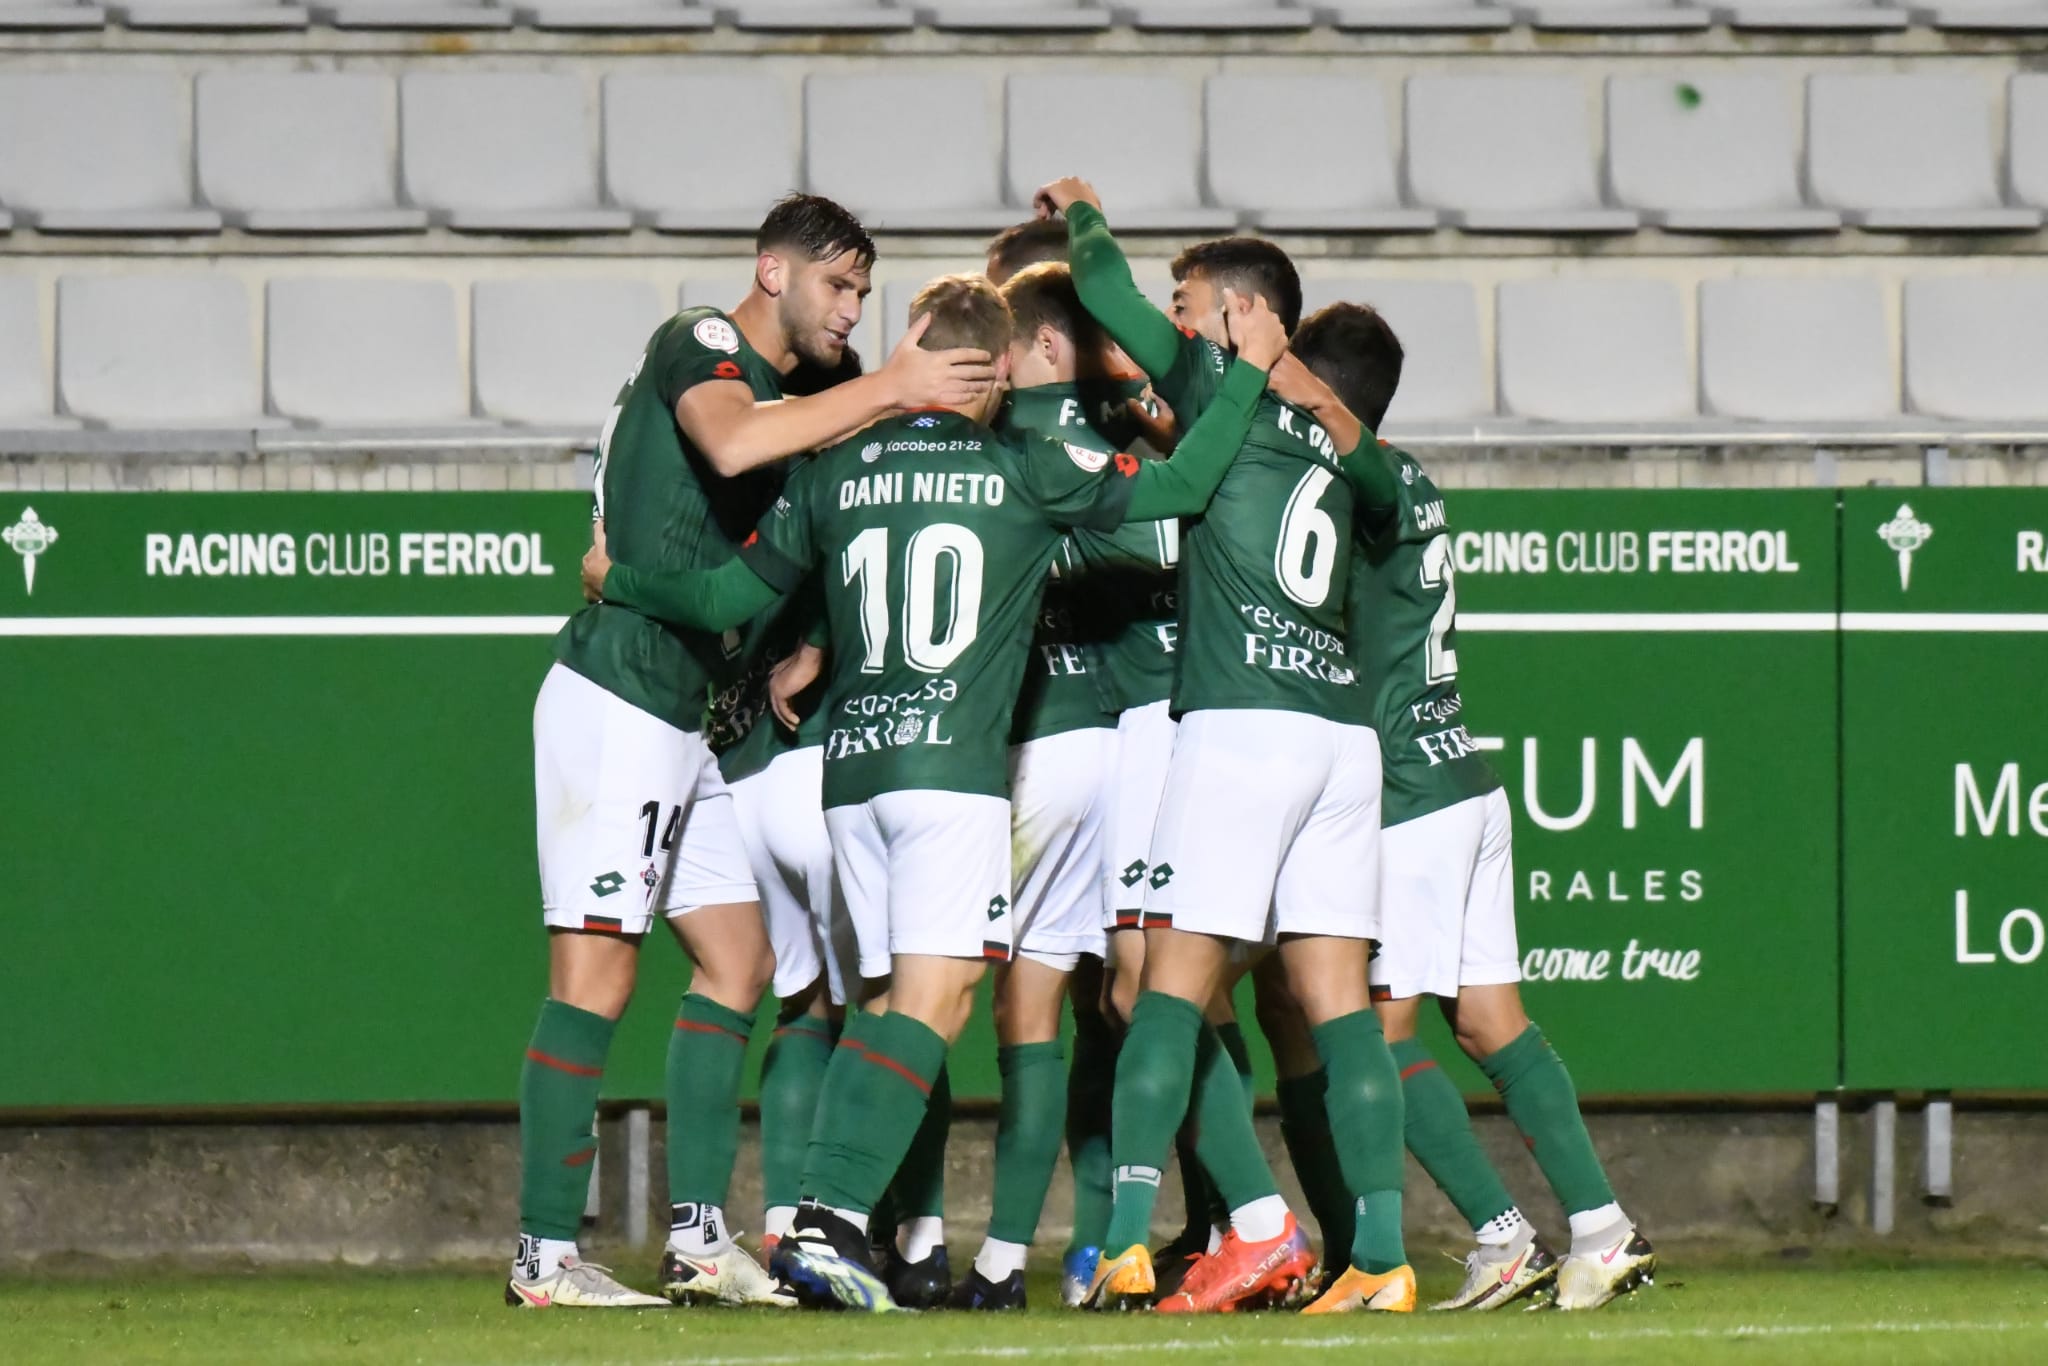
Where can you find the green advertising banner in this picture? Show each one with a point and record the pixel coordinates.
(1945, 787)
(1656, 673)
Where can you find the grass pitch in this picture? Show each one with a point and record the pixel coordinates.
(1703, 1309)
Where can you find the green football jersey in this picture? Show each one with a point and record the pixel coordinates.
(1404, 634)
(932, 535)
(744, 732)
(665, 508)
(1264, 572)
(1066, 686)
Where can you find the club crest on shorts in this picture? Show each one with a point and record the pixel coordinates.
(718, 334)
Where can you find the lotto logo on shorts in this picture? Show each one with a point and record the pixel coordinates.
(996, 906)
(607, 884)
(1162, 875)
(1134, 873)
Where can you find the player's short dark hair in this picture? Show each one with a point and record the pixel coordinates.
(1351, 348)
(1044, 296)
(811, 378)
(966, 311)
(815, 225)
(1248, 265)
(1026, 244)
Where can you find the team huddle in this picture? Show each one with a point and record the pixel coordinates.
(1104, 645)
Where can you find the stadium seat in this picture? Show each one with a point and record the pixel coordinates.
(99, 152)
(1041, 15)
(347, 352)
(808, 15)
(1854, 16)
(441, 14)
(1507, 154)
(1983, 16)
(699, 184)
(1975, 347)
(210, 14)
(555, 352)
(1266, 154)
(1613, 16)
(627, 15)
(1600, 350)
(1406, 16)
(1059, 125)
(1908, 153)
(302, 151)
(1216, 16)
(25, 393)
(1444, 382)
(934, 172)
(164, 351)
(2027, 125)
(1713, 153)
(503, 151)
(1796, 349)
(895, 310)
(50, 14)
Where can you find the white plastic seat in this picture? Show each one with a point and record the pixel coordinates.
(1712, 154)
(2026, 107)
(1507, 154)
(1908, 153)
(428, 14)
(1593, 350)
(1058, 125)
(631, 16)
(302, 152)
(158, 351)
(99, 151)
(1411, 16)
(1977, 347)
(1444, 382)
(347, 352)
(699, 184)
(1983, 16)
(1029, 15)
(818, 15)
(1613, 16)
(51, 14)
(210, 14)
(26, 395)
(555, 352)
(1796, 349)
(1216, 16)
(504, 151)
(1267, 155)
(1853, 16)
(899, 172)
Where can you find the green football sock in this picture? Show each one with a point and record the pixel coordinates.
(707, 1053)
(1198, 1195)
(1305, 1127)
(557, 1115)
(1225, 1142)
(919, 1188)
(1439, 1133)
(1090, 1081)
(1027, 1137)
(791, 1074)
(1154, 1073)
(872, 1102)
(1231, 1035)
(1538, 1092)
(1363, 1096)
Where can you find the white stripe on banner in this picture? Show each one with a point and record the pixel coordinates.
(280, 626)
(1554, 623)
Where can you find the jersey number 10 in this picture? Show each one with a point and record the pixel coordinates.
(934, 632)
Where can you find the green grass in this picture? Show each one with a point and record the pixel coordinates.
(1759, 1309)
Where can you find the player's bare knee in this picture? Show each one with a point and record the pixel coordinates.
(1028, 997)
(1399, 1019)
(936, 992)
(592, 972)
(1487, 1019)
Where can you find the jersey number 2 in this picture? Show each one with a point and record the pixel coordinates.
(1437, 573)
(934, 633)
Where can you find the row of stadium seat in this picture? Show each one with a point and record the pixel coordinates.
(175, 351)
(1622, 16)
(521, 152)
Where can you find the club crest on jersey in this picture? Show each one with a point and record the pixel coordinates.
(908, 725)
(718, 334)
(1091, 461)
(925, 421)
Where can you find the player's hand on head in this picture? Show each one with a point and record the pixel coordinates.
(1055, 196)
(952, 378)
(790, 677)
(1254, 329)
(596, 564)
(1155, 421)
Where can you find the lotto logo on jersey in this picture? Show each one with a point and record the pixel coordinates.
(717, 334)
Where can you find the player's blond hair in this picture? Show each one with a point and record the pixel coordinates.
(1044, 296)
(966, 310)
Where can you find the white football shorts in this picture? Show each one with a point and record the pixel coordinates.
(1144, 749)
(1270, 826)
(782, 820)
(631, 817)
(925, 872)
(1447, 901)
(1058, 807)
